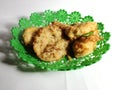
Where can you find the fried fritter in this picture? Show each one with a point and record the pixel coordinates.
(49, 45)
(52, 42)
(78, 29)
(86, 45)
(28, 35)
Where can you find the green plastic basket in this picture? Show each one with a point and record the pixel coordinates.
(37, 19)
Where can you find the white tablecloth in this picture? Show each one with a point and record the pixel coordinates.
(104, 75)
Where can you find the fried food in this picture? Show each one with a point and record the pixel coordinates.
(62, 25)
(86, 45)
(28, 35)
(80, 29)
(76, 30)
(52, 42)
(49, 45)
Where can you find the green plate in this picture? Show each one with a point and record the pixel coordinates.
(36, 19)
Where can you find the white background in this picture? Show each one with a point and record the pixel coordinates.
(104, 75)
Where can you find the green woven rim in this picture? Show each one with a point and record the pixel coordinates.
(42, 19)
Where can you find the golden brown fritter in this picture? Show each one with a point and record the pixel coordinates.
(81, 49)
(48, 43)
(52, 42)
(80, 29)
(28, 35)
(86, 45)
(76, 30)
(55, 51)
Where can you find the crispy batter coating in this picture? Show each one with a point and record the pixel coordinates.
(48, 43)
(86, 45)
(28, 35)
(78, 29)
(62, 25)
(83, 48)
